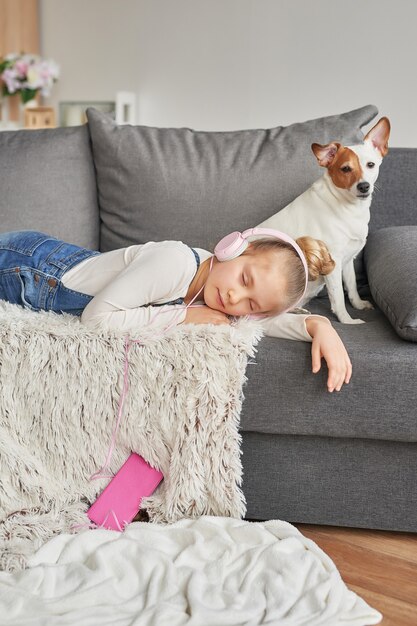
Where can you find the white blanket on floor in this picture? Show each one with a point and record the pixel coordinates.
(210, 571)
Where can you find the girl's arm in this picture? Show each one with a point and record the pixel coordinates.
(161, 273)
(315, 328)
(289, 326)
(134, 319)
(327, 343)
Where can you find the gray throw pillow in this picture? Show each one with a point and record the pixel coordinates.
(390, 257)
(197, 186)
(48, 183)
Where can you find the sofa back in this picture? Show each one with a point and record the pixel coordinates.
(197, 186)
(47, 183)
(170, 188)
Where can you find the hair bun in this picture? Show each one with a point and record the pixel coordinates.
(318, 257)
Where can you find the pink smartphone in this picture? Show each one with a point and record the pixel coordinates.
(120, 501)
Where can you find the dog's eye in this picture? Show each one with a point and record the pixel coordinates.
(370, 164)
(346, 169)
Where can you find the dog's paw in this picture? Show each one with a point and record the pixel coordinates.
(363, 304)
(352, 321)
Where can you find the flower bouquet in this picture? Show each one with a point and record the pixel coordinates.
(27, 74)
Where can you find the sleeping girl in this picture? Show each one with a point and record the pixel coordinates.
(151, 284)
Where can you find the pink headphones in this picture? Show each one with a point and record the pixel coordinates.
(234, 244)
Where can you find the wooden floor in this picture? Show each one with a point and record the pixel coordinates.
(379, 566)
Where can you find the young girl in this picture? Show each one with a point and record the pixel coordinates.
(150, 284)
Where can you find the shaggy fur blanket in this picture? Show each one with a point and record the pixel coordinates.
(59, 398)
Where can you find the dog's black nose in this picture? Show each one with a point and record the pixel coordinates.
(363, 187)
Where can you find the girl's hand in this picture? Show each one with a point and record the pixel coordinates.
(205, 315)
(327, 343)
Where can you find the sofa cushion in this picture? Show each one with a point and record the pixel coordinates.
(47, 183)
(378, 403)
(196, 186)
(390, 257)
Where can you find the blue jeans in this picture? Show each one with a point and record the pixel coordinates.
(31, 265)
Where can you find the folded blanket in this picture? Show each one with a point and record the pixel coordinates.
(59, 398)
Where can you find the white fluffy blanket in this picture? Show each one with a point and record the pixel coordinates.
(59, 397)
(213, 571)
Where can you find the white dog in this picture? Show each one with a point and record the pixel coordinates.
(335, 209)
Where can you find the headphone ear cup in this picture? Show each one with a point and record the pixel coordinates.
(230, 246)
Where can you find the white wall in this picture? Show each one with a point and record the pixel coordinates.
(231, 64)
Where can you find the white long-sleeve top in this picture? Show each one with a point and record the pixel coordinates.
(126, 284)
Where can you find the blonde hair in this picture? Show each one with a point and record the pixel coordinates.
(319, 263)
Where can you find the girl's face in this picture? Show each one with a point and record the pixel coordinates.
(246, 285)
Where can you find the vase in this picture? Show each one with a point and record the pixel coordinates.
(31, 104)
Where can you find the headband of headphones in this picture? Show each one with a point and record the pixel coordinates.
(234, 244)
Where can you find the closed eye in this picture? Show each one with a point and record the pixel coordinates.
(244, 281)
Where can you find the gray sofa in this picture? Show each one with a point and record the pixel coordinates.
(348, 458)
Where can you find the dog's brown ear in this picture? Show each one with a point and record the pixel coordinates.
(379, 135)
(325, 154)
